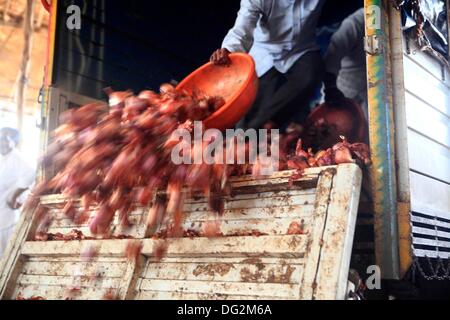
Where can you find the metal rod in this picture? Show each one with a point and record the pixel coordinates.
(25, 65)
(401, 141)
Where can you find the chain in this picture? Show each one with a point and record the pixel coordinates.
(438, 272)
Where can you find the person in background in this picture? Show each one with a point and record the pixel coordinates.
(16, 176)
(281, 37)
(345, 63)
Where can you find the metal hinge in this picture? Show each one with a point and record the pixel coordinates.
(373, 45)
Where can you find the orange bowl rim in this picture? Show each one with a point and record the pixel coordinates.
(236, 94)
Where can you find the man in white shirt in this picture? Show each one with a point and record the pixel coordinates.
(281, 37)
(345, 61)
(16, 176)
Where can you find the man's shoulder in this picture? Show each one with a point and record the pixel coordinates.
(355, 20)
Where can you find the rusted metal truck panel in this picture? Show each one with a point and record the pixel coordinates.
(259, 256)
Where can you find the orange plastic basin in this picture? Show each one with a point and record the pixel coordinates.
(237, 84)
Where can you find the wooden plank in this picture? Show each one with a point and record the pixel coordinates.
(129, 283)
(276, 226)
(229, 260)
(280, 246)
(338, 235)
(268, 213)
(168, 295)
(428, 157)
(131, 231)
(261, 185)
(57, 201)
(256, 203)
(13, 261)
(324, 186)
(249, 270)
(58, 268)
(284, 192)
(76, 259)
(67, 281)
(109, 248)
(429, 196)
(310, 174)
(228, 288)
(59, 292)
(268, 246)
(61, 221)
(426, 120)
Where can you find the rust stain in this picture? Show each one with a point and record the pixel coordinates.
(281, 278)
(293, 244)
(296, 228)
(248, 276)
(213, 269)
(256, 261)
(331, 171)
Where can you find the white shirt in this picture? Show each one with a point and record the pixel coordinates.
(276, 33)
(15, 173)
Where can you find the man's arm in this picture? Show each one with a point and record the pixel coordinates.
(26, 179)
(13, 203)
(343, 41)
(240, 37)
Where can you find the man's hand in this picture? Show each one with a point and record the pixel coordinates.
(13, 204)
(220, 57)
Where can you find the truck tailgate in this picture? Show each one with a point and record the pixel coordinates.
(256, 258)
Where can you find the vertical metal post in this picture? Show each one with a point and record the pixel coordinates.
(25, 64)
(48, 81)
(401, 137)
(381, 132)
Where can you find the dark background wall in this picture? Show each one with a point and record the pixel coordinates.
(137, 44)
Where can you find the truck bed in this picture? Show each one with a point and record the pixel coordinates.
(256, 258)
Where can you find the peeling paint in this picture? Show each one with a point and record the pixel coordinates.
(212, 269)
